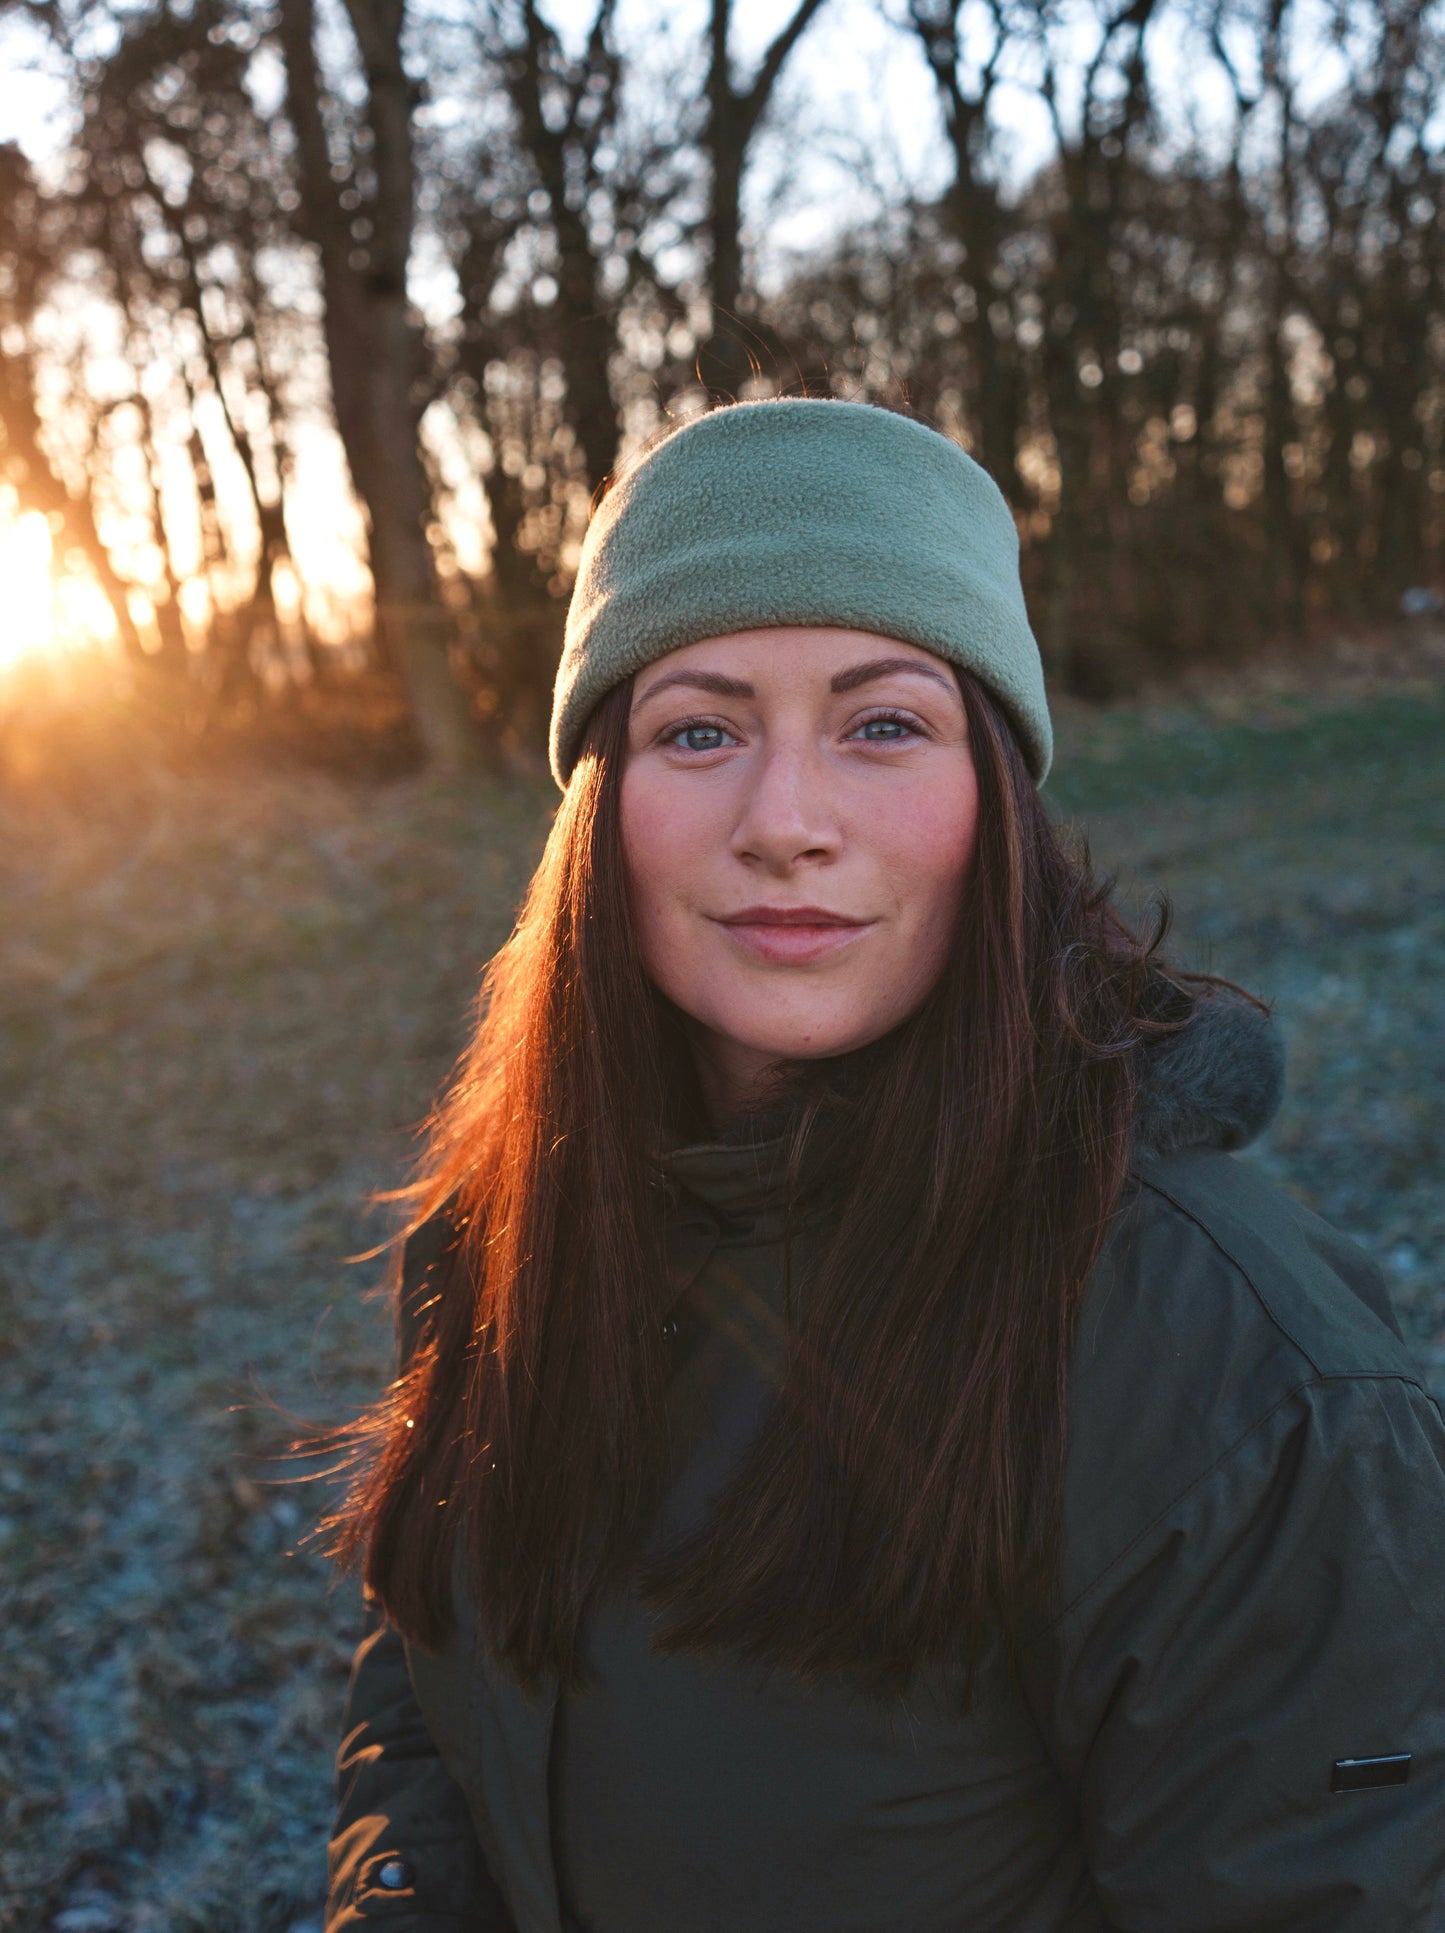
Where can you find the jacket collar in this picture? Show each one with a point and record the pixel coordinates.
(1217, 1083)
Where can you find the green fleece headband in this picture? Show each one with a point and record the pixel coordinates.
(801, 512)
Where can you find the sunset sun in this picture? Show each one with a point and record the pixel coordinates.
(28, 613)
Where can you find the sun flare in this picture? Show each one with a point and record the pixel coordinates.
(27, 589)
(44, 610)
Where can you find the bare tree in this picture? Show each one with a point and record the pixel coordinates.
(973, 213)
(1084, 322)
(357, 177)
(183, 190)
(732, 116)
(1366, 171)
(25, 464)
(567, 113)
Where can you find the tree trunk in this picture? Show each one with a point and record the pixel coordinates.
(374, 358)
(586, 318)
(732, 120)
(971, 214)
(730, 355)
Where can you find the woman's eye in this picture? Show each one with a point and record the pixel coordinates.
(883, 731)
(699, 738)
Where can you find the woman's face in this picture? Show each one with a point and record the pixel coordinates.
(799, 811)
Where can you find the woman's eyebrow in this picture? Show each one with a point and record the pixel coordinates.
(712, 681)
(864, 674)
(850, 680)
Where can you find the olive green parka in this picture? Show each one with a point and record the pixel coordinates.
(1237, 1720)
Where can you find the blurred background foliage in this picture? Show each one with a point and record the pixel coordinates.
(322, 322)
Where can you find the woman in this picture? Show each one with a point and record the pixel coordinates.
(864, 1455)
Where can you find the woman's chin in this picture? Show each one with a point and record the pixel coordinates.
(804, 1042)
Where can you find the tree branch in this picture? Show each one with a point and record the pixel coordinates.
(756, 99)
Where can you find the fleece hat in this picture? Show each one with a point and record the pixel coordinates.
(801, 512)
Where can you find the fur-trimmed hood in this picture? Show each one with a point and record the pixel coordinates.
(1217, 1083)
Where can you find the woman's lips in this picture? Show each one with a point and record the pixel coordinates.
(792, 936)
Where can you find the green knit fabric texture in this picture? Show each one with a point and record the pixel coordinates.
(801, 512)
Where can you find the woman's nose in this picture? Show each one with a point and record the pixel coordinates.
(787, 816)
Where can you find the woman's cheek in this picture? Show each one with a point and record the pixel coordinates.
(665, 861)
(930, 848)
(656, 923)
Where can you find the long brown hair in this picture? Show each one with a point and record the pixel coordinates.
(903, 1498)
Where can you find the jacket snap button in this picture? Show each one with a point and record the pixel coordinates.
(394, 1875)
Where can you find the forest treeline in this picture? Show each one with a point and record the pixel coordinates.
(1202, 350)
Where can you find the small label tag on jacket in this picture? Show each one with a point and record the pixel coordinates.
(1361, 1774)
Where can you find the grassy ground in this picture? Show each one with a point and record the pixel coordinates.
(223, 999)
